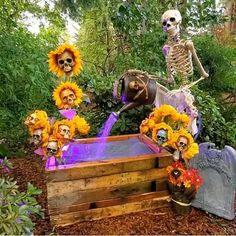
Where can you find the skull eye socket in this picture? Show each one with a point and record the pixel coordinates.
(160, 137)
(61, 62)
(172, 19)
(50, 150)
(164, 23)
(36, 136)
(69, 60)
(182, 144)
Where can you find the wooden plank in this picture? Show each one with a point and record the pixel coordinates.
(99, 213)
(84, 196)
(103, 168)
(55, 189)
(164, 161)
(108, 202)
(161, 184)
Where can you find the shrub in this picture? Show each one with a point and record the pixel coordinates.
(16, 207)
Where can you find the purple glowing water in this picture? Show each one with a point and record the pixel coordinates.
(104, 132)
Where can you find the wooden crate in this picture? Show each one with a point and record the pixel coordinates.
(94, 190)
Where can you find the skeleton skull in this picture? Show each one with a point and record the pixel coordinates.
(31, 119)
(68, 97)
(66, 61)
(161, 136)
(37, 136)
(182, 143)
(171, 21)
(52, 148)
(64, 131)
(135, 85)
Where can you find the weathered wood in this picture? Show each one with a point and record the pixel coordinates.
(108, 202)
(59, 188)
(99, 213)
(88, 196)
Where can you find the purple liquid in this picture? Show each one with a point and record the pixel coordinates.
(104, 132)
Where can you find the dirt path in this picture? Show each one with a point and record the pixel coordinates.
(160, 221)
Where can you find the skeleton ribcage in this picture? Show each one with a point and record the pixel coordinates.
(179, 60)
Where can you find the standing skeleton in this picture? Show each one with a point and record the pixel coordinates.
(179, 52)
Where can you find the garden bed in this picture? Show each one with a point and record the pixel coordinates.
(160, 221)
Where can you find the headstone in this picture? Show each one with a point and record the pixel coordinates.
(218, 171)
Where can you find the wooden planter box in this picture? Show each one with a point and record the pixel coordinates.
(98, 189)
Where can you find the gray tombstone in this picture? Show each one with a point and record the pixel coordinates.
(217, 169)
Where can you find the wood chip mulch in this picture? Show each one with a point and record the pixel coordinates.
(152, 222)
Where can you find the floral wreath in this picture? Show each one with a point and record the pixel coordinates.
(63, 122)
(81, 124)
(53, 56)
(165, 127)
(192, 148)
(67, 85)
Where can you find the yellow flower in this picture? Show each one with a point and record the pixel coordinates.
(165, 127)
(151, 123)
(191, 151)
(81, 124)
(184, 119)
(53, 57)
(52, 138)
(144, 128)
(63, 122)
(67, 85)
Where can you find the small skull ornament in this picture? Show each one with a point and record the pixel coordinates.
(37, 136)
(182, 144)
(64, 131)
(135, 85)
(161, 137)
(66, 61)
(171, 21)
(52, 148)
(31, 119)
(68, 97)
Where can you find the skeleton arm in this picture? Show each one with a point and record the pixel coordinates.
(191, 48)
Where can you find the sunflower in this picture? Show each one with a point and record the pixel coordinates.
(81, 124)
(63, 122)
(192, 148)
(67, 85)
(52, 138)
(53, 57)
(165, 127)
(37, 120)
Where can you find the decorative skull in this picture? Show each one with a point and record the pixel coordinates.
(52, 148)
(182, 143)
(37, 136)
(68, 97)
(66, 61)
(161, 136)
(64, 131)
(31, 119)
(171, 21)
(135, 85)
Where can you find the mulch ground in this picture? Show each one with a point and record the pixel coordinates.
(160, 221)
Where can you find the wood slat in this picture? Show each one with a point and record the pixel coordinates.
(88, 196)
(99, 213)
(55, 189)
(108, 202)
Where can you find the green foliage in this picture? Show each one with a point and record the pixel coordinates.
(214, 126)
(16, 207)
(26, 84)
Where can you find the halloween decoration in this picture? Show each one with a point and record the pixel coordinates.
(37, 120)
(178, 52)
(183, 185)
(64, 130)
(67, 95)
(52, 147)
(39, 136)
(135, 88)
(162, 134)
(218, 168)
(65, 61)
(81, 125)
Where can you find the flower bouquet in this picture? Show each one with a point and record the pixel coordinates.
(183, 185)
